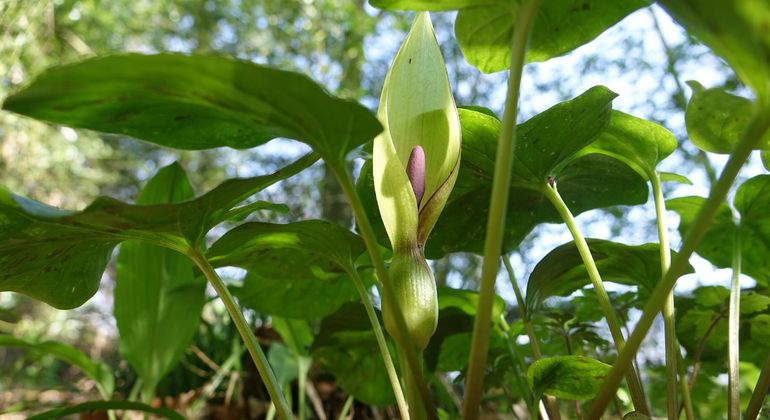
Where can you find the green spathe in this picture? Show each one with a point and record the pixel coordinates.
(415, 162)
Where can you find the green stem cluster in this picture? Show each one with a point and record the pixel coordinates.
(673, 368)
(632, 377)
(403, 340)
(756, 130)
(497, 212)
(260, 360)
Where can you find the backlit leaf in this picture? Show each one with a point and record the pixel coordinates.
(567, 377)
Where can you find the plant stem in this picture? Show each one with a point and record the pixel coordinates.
(497, 212)
(683, 385)
(404, 340)
(760, 392)
(550, 402)
(632, 377)
(403, 408)
(516, 358)
(669, 319)
(346, 408)
(750, 138)
(733, 329)
(271, 383)
(303, 366)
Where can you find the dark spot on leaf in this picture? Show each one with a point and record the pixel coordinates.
(181, 117)
(586, 6)
(410, 61)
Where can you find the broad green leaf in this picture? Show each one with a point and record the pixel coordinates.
(562, 272)
(283, 362)
(296, 333)
(752, 201)
(296, 270)
(735, 30)
(59, 256)
(467, 301)
(158, 298)
(432, 5)
(715, 119)
(195, 102)
(91, 406)
(752, 302)
(760, 329)
(547, 145)
(449, 347)
(567, 377)
(638, 143)
(309, 249)
(711, 296)
(297, 297)
(347, 348)
(100, 373)
(672, 177)
(484, 33)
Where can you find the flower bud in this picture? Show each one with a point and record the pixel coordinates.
(415, 163)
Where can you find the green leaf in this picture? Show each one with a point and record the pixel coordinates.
(296, 333)
(760, 329)
(547, 145)
(310, 249)
(735, 30)
(100, 373)
(58, 413)
(711, 296)
(638, 143)
(467, 301)
(432, 5)
(346, 346)
(562, 272)
(59, 256)
(195, 102)
(484, 33)
(567, 377)
(752, 201)
(715, 119)
(296, 270)
(158, 298)
(752, 302)
(283, 362)
(672, 177)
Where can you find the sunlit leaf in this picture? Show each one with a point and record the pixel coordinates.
(484, 33)
(432, 5)
(715, 119)
(567, 377)
(158, 299)
(195, 102)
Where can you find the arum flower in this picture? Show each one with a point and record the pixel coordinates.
(415, 162)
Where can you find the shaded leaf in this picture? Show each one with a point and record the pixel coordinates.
(547, 145)
(283, 362)
(715, 119)
(100, 373)
(484, 33)
(59, 256)
(195, 102)
(567, 377)
(58, 413)
(760, 329)
(296, 270)
(296, 333)
(562, 272)
(467, 301)
(157, 297)
(346, 346)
